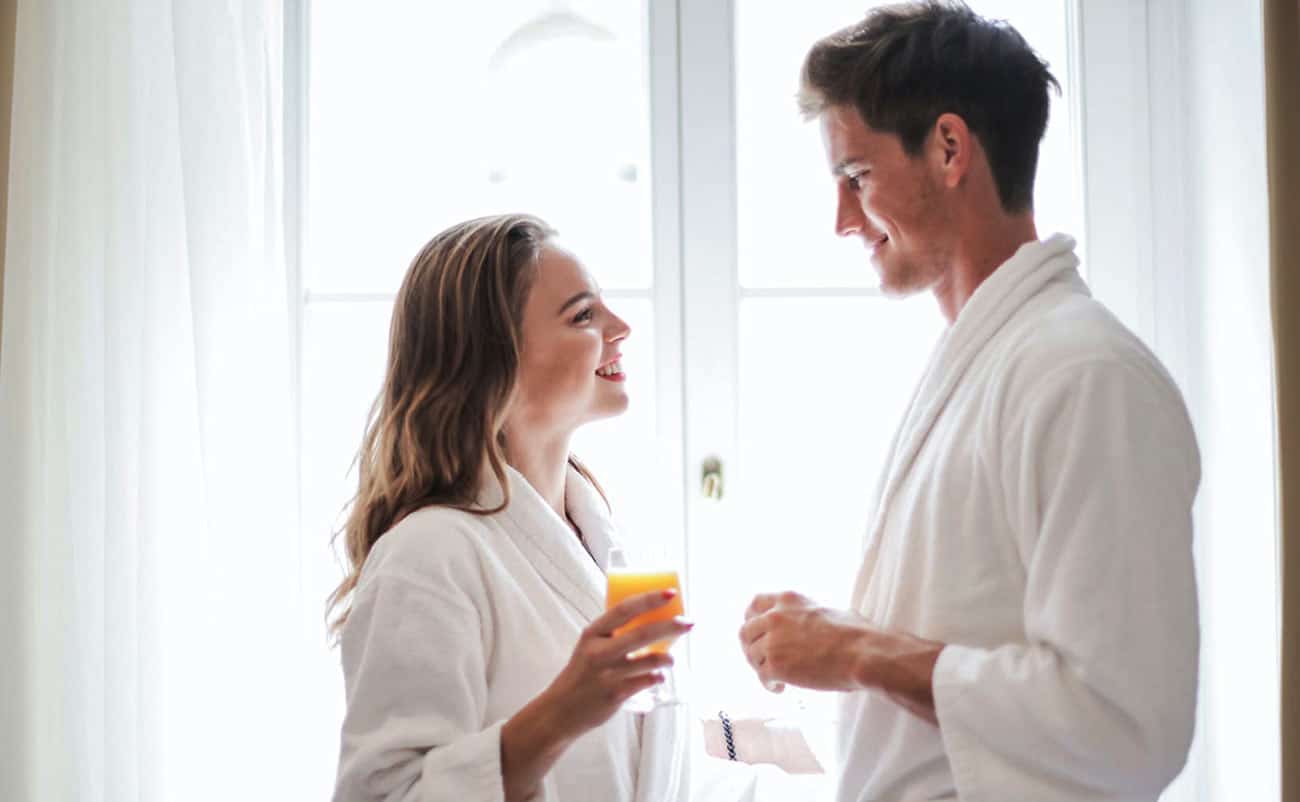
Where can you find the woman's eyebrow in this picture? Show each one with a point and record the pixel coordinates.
(582, 296)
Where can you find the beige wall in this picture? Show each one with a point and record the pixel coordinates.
(8, 10)
(1282, 70)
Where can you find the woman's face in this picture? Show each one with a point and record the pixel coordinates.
(569, 369)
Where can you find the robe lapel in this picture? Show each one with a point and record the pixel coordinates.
(993, 304)
(590, 512)
(552, 547)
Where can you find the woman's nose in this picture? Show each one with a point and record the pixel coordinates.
(618, 329)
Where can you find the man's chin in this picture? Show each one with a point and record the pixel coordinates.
(898, 284)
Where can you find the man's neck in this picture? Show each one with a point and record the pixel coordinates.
(981, 249)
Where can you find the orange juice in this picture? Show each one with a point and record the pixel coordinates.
(625, 584)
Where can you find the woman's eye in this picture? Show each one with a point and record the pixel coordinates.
(584, 316)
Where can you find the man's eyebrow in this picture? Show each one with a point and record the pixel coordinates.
(843, 167)
(582, 296)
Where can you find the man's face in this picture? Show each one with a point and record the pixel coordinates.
(892, 201)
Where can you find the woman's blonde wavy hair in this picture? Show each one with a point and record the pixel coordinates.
(453, 359)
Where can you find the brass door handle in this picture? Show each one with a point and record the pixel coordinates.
(711, 478)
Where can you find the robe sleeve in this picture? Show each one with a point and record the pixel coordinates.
(416, 679)
(1100, 469)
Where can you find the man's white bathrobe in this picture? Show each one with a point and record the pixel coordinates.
(459, 621)
(1035, 515)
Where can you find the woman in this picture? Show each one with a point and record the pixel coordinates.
(478, 658)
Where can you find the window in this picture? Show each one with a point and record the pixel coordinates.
(417, 120)
(797, 370)
(662, 140)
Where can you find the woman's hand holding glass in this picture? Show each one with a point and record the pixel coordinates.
(606, 668)
(624, 581)
(610, 666)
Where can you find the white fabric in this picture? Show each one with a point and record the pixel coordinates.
(460, 620)
(1036, 516)
(147, 504)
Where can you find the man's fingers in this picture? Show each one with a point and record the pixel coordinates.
(752, 630)
(630, 608)
(761, 604)
(752, 643)
(754, 649)
(764, 670)
(757, 656)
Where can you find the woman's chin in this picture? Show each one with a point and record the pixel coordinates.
(610, 406)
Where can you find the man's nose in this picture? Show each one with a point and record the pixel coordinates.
(848, 215)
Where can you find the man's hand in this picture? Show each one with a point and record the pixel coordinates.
(789, 639)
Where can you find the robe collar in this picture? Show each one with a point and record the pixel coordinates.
(574, 568)
(993, 304)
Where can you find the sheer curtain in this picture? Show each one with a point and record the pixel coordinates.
(149, 581)
(1223, 189)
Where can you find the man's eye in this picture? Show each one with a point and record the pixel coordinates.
(855, 182)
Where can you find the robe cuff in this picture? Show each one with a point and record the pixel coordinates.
(953, 674)
(471, 765)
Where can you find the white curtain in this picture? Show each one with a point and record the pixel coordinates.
(149, 603)
(1178, 230)
(1225, 194)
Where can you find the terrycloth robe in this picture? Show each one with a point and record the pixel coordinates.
(459, 621)
(1035, 515)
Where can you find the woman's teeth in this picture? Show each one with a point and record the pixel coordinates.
(612, 369)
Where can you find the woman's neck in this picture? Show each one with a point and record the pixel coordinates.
(544, 462)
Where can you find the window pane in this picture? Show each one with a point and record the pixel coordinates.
(417, 124)
(823, 383)
(783, 180)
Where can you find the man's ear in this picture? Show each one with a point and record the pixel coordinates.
(951, 147)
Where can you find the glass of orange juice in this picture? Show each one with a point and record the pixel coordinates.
(625, 582)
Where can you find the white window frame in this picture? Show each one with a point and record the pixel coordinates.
(297, 91)
(667, 176)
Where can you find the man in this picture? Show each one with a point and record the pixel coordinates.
(1024, 623)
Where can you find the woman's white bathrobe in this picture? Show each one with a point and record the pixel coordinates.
(457, 622)
(1036, 515)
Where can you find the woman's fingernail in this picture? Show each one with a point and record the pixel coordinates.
(669, 593)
